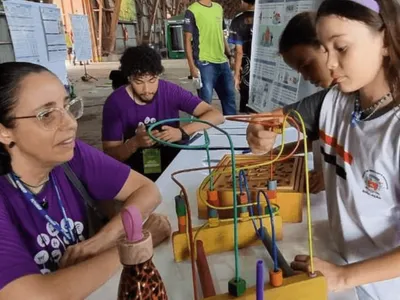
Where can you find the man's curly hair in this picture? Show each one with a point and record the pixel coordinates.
(140, 61)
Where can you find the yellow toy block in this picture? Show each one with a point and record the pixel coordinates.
(289, 195)
(299, 287)
(220, 239)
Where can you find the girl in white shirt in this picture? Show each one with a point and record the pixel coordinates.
(357, 125)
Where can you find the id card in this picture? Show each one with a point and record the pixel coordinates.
(151, 161)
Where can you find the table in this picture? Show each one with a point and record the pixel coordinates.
(177, 276)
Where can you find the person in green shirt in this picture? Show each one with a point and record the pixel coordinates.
(208, 53)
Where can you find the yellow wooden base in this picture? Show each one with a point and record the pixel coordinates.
(220, 239)
(290, 189)
(299, 287)
(290, 203)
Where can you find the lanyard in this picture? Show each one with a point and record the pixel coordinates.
(30, 198)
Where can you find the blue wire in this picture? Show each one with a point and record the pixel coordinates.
(274, 248)
(243, 181)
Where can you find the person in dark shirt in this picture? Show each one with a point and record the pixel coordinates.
(240, 34)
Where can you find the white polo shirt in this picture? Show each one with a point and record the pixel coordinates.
(361, 166)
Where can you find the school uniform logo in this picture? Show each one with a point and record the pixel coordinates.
(375, 183)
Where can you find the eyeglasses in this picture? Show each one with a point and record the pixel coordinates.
(52, 118)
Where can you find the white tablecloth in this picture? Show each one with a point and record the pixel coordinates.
(177, 276)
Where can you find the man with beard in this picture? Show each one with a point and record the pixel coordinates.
(240, 34)
(147, 99)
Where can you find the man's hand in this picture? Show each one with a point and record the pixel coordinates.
(142, 139)
(231, 60)
(169, 134)
(260, 140)
(194, 72)
(237, 83)
(333, 274)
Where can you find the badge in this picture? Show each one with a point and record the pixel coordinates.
(151, 161)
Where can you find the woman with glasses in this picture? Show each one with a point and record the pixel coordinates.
(45, 249)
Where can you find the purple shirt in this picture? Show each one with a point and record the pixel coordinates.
(28, 243)
(122, 115)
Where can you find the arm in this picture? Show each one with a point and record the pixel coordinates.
(20, 277)
(380, 268)
(236, 38)
(189, 27)
(226, 44)
(119, 150)
(183, 100)
(65, 284)
(372, 270)
(205, 112)
(107, 179)
(262, 141)
(192, 105)
(137, 190)
(238, 61)
(227, 49)
(113, 131)
(309, 108)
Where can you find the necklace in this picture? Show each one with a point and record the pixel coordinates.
(35, 186)
(44, 204)
(357, 114)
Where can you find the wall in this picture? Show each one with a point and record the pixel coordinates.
(6, 48)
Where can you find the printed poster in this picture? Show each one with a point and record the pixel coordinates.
(273, 84)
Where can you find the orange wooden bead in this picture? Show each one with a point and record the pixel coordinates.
(276, 278)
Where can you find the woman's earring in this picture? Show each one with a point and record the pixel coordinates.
(385, 52)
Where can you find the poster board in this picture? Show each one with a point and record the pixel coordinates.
(82, 41)
(54, 33)
(28, 35)
(274, 84)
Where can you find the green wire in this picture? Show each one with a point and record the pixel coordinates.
(209, 170)
(206, 145)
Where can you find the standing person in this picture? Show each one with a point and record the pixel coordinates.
(144, 100)
(208, 53)
(68, 42)
(357, 123)
(241, 34)
(43, 217)
(301, 50)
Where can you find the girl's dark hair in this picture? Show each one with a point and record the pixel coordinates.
(11, 75)
(141, 60)
(300, 30)
(388, 20)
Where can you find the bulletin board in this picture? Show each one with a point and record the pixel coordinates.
(37, 35)
(82, 40)
(273, 83)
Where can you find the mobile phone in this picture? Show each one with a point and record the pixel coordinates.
(158, 127)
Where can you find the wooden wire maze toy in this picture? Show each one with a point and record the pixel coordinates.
(239, 191)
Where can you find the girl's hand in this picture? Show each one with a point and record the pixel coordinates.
(333, 274)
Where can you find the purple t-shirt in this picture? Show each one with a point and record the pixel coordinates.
(28, 243)
(122, 115)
